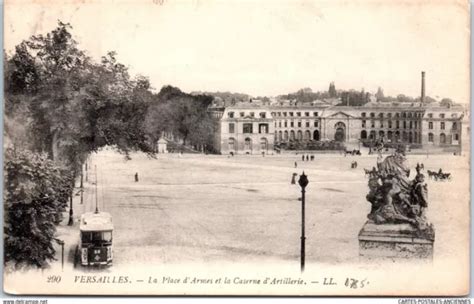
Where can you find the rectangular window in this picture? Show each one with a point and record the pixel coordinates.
(430, 125)
(315, 124)
(363, 114)
(455, 126)
(404, 124)
(231, 114)
(441, 115)
(242, 114)
(247, 128)
(231, 128)
(430, 137)
(299, 124)
(306, 113)
(389, 124)
(298, 114)
(307, 124)
(411, 124)
(292, 124)
(263, 128)
(372, 124)
(397, 124)
(442, 125)
(291, 113)
(456, 136)
(430, 115)
(252, 114)
(279, 124)
(315, 114)
(284, 114)
(286, 124)
(263, 114)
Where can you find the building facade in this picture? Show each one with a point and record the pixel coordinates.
(255, 128)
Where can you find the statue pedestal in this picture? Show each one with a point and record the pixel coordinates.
(393, 242)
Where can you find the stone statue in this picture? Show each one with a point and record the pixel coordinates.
(397, 199)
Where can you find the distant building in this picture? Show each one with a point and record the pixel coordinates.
(255, 127)
(251, 129)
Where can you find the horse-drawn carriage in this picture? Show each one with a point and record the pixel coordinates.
(439, 176)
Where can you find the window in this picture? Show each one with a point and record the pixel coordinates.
(299, 124)
(372, 114)
(456, 137)
(298, 114)
(252, 114)
(292, 124)
(430, 125)
(442, 138)
(389, 124)
(307, 124)
(455, 126)
(279, 124)
(263, 128)
(441, 115)
(284, 114)
(306, 113)
(404, 124)
(291, 113)
(248, 144)
(231, 114)
(242, 114)
(262, 114)
(430, 115)
(397, 124)
(411, 124)
(363, 124)
(286, 124)
(381, 115)
(442, 125)
(231, 128)
(315, 114)
(397, 115)
(363, 114)
(315, 124)
(247, 128)
(231, 144)
(372, 124)
(416, 124)
(389, 115)
(430, 137)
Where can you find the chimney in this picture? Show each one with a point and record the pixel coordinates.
(423, 87)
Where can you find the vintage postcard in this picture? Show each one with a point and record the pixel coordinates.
(243, 147)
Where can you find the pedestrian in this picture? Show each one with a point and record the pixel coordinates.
(307, 157)
(136, 177)
(293, 178)
(302, 157)
(296, 164)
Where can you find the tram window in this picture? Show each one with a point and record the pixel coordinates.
(97, 236)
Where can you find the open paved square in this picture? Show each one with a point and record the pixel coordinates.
(243, 209)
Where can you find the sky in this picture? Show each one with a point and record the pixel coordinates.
(267, 48)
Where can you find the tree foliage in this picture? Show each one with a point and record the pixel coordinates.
(35, 195)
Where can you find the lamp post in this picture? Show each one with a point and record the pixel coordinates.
(303, 182)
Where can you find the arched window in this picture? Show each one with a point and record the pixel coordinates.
(280, 134)
(397, 136)
(410, 137)
(307, 135)
(363, 134)
(292, 135)
(232, 144)
(381, 134)
(299, 135)
(372, 135)
(316, 135)
(390, 136)
(263, 144)
(248, 144)
(442, 138)
(430, 137)
(285, 136)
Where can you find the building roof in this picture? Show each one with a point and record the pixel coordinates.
(91, 221)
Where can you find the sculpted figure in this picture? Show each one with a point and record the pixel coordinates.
(394, 197)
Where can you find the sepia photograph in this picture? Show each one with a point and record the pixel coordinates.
(242, 147)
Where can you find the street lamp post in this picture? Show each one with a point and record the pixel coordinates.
(303, 181)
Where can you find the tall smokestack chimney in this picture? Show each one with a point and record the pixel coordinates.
(423, 87)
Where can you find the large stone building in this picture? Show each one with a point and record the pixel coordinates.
(255, 127)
